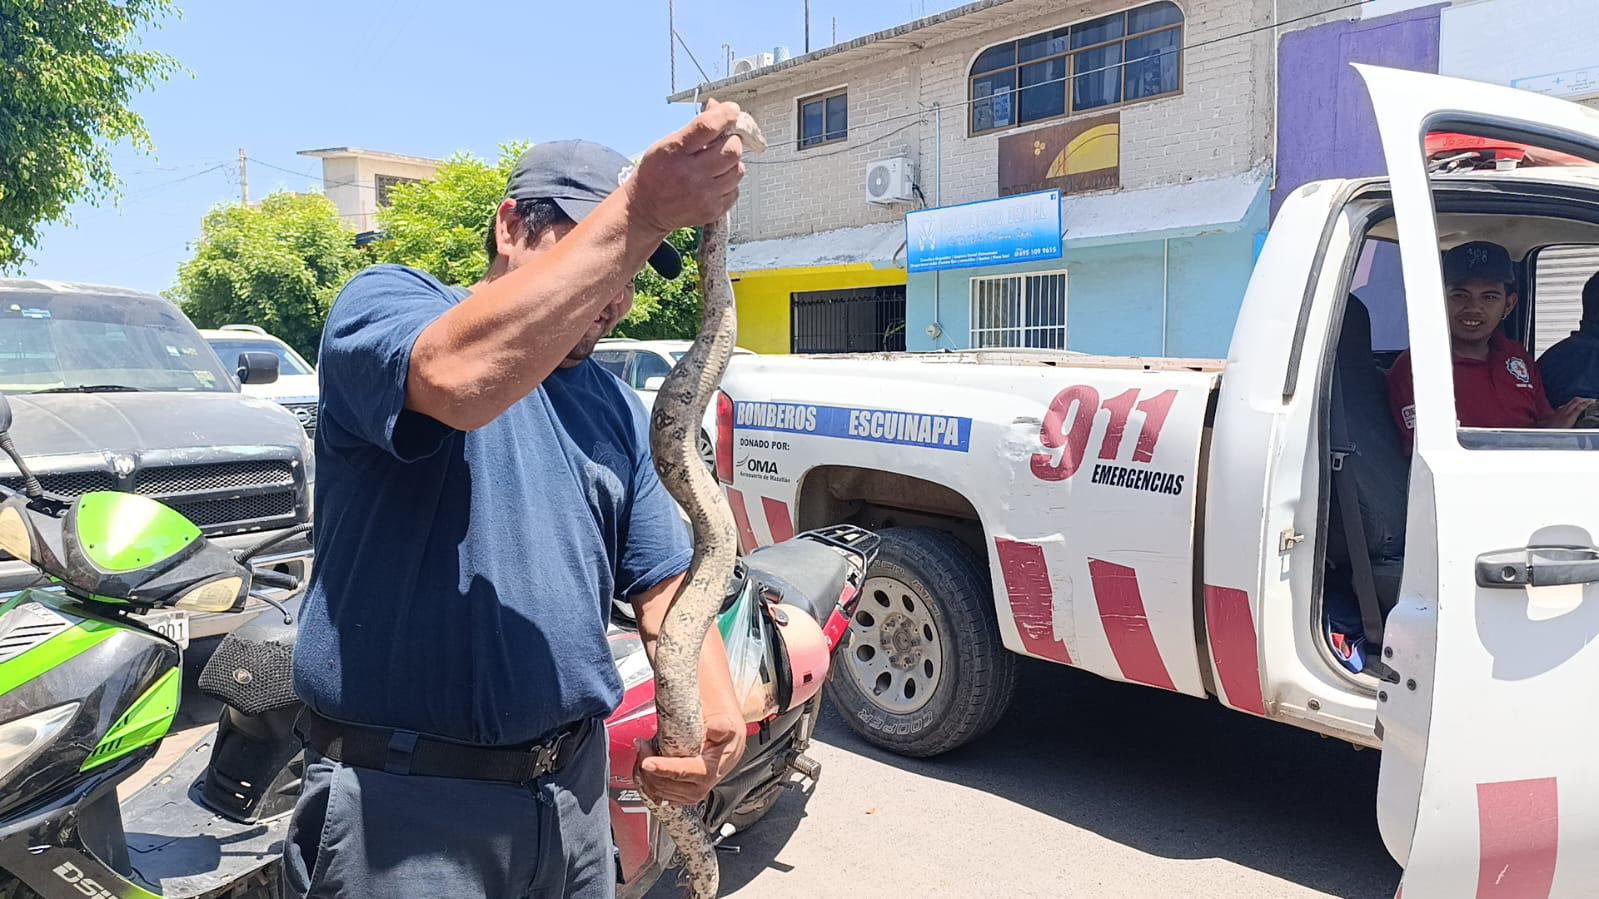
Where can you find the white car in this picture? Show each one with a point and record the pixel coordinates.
(296, 386)
(643, 364)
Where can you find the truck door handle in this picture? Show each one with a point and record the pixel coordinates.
(1539, 566)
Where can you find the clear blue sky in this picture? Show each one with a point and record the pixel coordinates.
(418, 77)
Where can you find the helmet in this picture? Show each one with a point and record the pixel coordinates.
(804, 649)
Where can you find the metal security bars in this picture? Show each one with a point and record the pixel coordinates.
(1019, 311)
(856, 320)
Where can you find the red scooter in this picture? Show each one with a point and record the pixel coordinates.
(787, 608)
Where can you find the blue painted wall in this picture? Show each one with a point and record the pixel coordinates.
(1113, 295)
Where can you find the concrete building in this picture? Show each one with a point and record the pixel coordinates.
(1153, 119)
(358, 181)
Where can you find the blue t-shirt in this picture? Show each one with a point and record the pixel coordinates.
(463, 580)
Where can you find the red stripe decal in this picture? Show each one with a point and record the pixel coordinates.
(1233, 646)
(1121, 611)
(777, 519)
(741, 517)
(1519, 826)
(1032, 600)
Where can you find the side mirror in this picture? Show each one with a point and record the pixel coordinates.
(258, 368)
(655, 383)
(5, 414)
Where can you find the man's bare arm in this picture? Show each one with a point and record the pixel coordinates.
(497, 345)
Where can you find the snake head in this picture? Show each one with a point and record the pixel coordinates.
(748, 131)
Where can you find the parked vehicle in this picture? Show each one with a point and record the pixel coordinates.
(643, 364)
(89, 686)
(116, 390)
(296, 386)
(1189, 524)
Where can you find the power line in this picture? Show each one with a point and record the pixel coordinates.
(960, 104)
(144, 190)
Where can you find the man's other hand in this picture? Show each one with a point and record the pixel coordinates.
(686, 781)
(1566, 416)
(691, 177)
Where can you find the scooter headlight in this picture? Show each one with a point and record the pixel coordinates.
(14, 536)
(22, 739)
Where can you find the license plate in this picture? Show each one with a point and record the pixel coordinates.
(174, 625)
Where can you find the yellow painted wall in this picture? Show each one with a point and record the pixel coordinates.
(763, 298)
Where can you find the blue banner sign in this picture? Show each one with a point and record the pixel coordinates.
(945, 432)
(1023, 228)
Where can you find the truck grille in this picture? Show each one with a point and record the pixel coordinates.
(220, 497)
(306, 413)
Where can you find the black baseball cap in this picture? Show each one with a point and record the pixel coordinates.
(1478, 260)
(577, 175)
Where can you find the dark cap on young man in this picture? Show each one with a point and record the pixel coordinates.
(577, 175)
(1479, 260)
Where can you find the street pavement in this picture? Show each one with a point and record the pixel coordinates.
(1087, 788)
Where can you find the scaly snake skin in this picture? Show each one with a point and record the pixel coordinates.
(674, 427)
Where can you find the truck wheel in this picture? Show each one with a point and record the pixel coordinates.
(923, 669)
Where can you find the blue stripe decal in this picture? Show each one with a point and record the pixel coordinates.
(945, 432)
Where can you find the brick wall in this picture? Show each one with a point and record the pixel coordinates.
(1220, 124)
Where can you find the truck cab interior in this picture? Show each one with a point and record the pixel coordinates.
(1554, 247)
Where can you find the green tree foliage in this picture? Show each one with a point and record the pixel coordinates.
(278, 265)
(438, 226)
(67, 71)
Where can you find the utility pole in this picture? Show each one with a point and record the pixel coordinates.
(807, 26)
(244, 178)
(835, 31)
(671, 40)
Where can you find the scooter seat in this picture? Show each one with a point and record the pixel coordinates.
(252, 669)
(806, 573)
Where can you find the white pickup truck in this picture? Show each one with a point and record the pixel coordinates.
(1177, 523)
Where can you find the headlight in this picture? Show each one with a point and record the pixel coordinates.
(21, 740)
(213, 596)
(14, 538)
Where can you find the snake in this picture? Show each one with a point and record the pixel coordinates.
(674, 428)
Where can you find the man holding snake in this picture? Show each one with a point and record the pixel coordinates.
(485, 490)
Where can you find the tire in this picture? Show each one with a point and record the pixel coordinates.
(933, 584)
(707, 451)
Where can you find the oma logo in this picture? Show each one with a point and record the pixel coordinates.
(762, 466)
(73, 875)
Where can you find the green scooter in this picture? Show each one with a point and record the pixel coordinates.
(89, 686)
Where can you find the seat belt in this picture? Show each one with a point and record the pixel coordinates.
(1365, 582)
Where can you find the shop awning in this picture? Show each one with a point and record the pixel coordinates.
(880, 246)
(1156, 213)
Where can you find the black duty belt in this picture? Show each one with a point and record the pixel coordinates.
(406, 752)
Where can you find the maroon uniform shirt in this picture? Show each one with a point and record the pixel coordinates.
(1503, 391)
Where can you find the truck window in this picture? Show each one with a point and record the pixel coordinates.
(53, 341)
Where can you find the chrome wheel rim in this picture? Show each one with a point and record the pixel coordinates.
(707, 451)
(895, 654)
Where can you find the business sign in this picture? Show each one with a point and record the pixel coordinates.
(1077, 156)
(1023, 228)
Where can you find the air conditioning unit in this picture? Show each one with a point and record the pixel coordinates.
(750, 63)
(890, 180)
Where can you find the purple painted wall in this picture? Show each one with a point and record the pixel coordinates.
(1325, 121)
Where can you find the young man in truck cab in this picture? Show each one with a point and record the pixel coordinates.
(1497, 385)
(1570, 368)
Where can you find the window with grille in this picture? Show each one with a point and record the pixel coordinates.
(1020, 311)
(855, 320)
(1121, 58)
(385, 183)
(823, 119)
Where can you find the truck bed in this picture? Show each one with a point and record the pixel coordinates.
(1022, 357)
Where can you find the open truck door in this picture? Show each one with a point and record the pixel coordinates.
(1489, 784)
